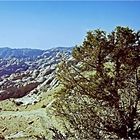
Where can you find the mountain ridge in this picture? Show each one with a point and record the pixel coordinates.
(8, 53)
(23, 73)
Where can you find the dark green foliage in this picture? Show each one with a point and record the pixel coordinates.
(58, 135)
(102, 84)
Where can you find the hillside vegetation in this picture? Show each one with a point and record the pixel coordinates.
(102, 95)
(96, 96)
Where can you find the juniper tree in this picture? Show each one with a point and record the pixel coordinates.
(102, 86)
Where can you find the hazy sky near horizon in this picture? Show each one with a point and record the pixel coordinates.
(49, 24)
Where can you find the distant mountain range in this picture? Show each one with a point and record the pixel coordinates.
(24, 71)
(8, 53)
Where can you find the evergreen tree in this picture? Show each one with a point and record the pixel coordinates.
(102, 86)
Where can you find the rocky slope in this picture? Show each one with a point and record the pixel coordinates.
(27, 89)
(25, 72)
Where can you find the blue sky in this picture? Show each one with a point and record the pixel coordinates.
(51, 24)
